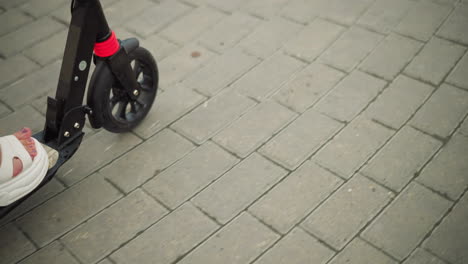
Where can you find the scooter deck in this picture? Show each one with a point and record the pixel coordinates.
(65, 151)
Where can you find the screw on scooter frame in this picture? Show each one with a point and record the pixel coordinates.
(66, 114)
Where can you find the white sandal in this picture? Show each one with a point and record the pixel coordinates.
(34, 171)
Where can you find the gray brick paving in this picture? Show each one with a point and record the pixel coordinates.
(265, 79)
(435, 61)
(421, 256)
(358, 252)
(360, 87)
(14, 245)
(450, 237)
(295, 197)
(215, 114)
(446, 163)
(300, 139)
(454, 27)
(313, 39)
(254, 128)
(245, 81)
(109, 229)
(170, 238)
(353, 146)
(149, 164)
(351, 48)
(239, 242)
(233, 192)
(37, 223)
(399, 101)
(458, 76)
(308, 86)
(55, 252)
(396, 51)
(190, 175)
(396, 164)
(297, 247)
(439, 118)
(406, 221)
(348, 210)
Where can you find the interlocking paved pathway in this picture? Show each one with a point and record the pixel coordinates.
(308, 131)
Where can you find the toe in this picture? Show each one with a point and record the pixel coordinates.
(24, 133)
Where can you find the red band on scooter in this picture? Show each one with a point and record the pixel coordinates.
(108, 47)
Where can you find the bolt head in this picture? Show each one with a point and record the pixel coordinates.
(76, 125)
(136, 92)
(66, 134)
(76, 78)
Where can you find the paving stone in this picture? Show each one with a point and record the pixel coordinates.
(269, 37)
(297, 247)
(350, 49)
(14, 245)
(353, 146)
(52, 253)
(215, 114)
(302, 11)
(458, 76)
(399, 161)
(391, 56)
(48, 191)
(233, 192)
(450, 238)
(313, 39)
(32, 86)
(109, 229)
(421, 256)
(238, 242)
(24, 116)
(435, 61)
(350, 96)
(170, 238)
(384, 16)
(68, 209)
(156, 17)
(444, 110)
(62, 14)
(229, 31)
(175, 67)
(358, 252)
(169, 106)
(220, 72)
(254, 128)
(122, 11)
(344, 11)
(190, 175)
(11, 20)
(4, 110)
(455, 26)
(11, 4)
(38, 9)
(405, 222)
(146, 160)
(399, 101)
(268, 76)
(447, 171)
(263, 8)
(347, 211)
(14, 68)
(308, 86)
(105, 261)
(192, 25)
(295, 197)
(48, 50)
(300, 139)
(464, 127)
(227, 6)
(160, 48)
(28, 35)
(423, 19)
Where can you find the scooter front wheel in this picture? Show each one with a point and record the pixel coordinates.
(112, 108)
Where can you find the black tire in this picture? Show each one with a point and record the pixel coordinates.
(112, 107)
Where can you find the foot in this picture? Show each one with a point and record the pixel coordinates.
(24, 136)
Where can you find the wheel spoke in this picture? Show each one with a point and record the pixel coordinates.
(121, 111)
(133, 107)
(113, 101)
